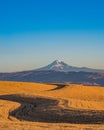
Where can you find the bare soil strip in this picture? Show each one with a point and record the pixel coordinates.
(49, 110)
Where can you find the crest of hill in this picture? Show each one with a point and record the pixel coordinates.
(54, 90)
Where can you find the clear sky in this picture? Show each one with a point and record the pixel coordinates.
(33, 33)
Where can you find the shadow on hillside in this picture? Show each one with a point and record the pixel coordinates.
(59, 86)
(40, 109)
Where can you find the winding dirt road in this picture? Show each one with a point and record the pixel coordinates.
(41, 109)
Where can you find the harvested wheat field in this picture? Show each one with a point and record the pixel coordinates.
(34, 106)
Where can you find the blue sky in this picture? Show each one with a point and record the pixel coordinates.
(33, 33)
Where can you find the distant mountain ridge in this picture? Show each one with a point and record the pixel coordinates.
(52, 76)
(58, 65)
(58, 72)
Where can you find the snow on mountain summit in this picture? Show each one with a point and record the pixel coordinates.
(58, 65)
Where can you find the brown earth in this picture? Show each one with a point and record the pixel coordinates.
(33, 106)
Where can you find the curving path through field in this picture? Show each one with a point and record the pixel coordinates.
(41, 109)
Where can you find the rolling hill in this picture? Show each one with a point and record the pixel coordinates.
(31, 106)
(51, 76)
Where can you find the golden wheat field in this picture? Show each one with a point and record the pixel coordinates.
(34, 106)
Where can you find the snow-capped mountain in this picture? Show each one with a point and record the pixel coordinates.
(58, 72)
(58, 65)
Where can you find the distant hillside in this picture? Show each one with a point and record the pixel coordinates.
(51, 76)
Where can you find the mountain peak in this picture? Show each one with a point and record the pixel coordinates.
(56, 65)
(59, 65)
(57, 62)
